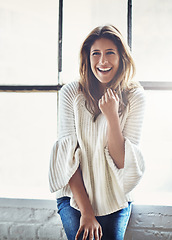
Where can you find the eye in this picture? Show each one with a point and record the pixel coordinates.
(95, 53)
(110, 53)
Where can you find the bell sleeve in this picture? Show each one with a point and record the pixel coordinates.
(134, 165)
(64, 158)
(129, 176)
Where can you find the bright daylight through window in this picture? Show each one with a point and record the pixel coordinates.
(29, 36)
(152, 50)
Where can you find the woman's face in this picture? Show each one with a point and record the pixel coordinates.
(104, 60)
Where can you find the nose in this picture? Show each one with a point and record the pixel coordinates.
(103, 60)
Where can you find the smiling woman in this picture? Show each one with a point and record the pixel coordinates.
(104, 60)
(96, 57)
(96, 162)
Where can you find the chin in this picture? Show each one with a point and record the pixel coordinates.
(104, 81)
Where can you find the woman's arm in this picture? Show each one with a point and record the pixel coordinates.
(109, 104)
(88, 223)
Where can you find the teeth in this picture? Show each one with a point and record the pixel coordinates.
(104, 69)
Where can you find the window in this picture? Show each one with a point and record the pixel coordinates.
(28, 130)
(29, 57)
(152, 51)
(79, 18)
(29, 36)
(152, 36)
(29, 33)
(28, 42)
(156, 185)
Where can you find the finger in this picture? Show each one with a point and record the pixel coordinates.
(116, 95)
(100, 102)
(113, 94)
(91, 235)
(110, 92)
(96, 234)
(85, 235)
(100, 232)
(103, 99)
(78, 233)
(106, 96)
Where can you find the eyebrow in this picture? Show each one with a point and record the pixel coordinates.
(109, 49)
(96, 50)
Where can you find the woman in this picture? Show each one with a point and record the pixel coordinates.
(96, 162)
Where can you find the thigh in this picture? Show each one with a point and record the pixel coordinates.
(70, 217)
(114, 225)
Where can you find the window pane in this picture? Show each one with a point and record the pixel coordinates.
(156, 186)
(28, 127)
(80, 17)
(152, 37)
(28, 42)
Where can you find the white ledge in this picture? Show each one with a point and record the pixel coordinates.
(51, 204)
(28, 203)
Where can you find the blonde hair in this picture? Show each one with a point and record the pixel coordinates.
(122, 82)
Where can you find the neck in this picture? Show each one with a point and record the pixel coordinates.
(102, 88)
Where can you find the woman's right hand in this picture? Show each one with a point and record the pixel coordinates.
(90, 227)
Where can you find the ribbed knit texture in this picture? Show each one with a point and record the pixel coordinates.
(83, 143)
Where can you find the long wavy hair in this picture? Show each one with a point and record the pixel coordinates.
(122, 82)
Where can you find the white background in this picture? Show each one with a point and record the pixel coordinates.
(28, 55)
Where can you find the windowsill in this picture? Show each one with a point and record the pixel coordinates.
(51, 204)
(28, 203)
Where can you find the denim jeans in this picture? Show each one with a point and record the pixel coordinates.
(113, 225)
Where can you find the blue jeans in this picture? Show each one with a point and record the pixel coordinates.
(113, 225)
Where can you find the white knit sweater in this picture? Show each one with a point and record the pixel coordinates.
(107, 186)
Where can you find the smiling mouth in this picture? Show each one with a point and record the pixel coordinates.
(104, 69)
